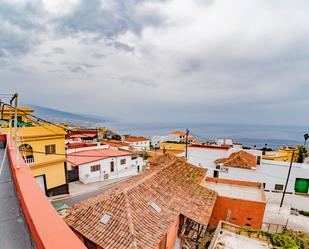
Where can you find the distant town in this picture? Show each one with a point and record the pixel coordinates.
(82, 187)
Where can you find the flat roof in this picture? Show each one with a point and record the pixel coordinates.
(229, 240)
(252, 193)
(14, 230)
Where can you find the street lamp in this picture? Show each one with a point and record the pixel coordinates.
(306, 136)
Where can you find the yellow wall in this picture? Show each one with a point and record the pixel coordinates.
(172, 146)
(283, 154)
(52, 166)
(22, 113)
(54, 174)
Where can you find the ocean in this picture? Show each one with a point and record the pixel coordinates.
(274, 136)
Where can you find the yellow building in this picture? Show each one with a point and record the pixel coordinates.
(282, 154)
(43, 149)
(21, 114)
(172, 146)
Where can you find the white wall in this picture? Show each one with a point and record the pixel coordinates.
(130, 168)
(269, 172)
(99, 146)
(157, 140)
(140, 146)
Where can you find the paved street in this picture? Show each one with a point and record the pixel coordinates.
(76, 198)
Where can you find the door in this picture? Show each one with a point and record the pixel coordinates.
(73, 174)
(301, 185)
(40, 180)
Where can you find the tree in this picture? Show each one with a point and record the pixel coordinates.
(116, 137)
(302, 154)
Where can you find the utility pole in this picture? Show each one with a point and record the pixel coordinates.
(187, 134)
(15, 130)
(287, 179)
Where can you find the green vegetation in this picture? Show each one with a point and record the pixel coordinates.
(116, 137)
(302, 154)
(305, 213)
(145, 155)
(289, 239)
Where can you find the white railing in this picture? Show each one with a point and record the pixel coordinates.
(29, 160)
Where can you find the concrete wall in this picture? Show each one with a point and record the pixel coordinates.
(130, 168)
(54, 174)
(269, 172)
(140, 146)
(172, 234)
(237, 211)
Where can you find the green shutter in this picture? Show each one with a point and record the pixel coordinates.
(301, 185)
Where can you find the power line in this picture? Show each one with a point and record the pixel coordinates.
(45, 121)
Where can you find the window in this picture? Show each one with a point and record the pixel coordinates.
(155, 206)
(95, 168)
(50, 149)
(112, 166)
(123, 161)
(105, 218)
(279, 187)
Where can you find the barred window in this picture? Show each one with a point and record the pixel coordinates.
(123, 161)
(95, 168)
(50, 149)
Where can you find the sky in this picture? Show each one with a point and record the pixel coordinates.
(217, 61)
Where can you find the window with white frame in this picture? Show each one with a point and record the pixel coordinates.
(95, 168)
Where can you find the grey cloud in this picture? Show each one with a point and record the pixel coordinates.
(20, 27)
(47, 62)
(122, 46)
(133, 81)
(91, 17)
(98, 55)
(58, 50)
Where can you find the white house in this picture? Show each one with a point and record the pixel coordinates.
(101, 164)
(272, 173)
(138, 143)
(157, 140)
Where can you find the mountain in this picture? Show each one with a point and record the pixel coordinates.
(73, 119)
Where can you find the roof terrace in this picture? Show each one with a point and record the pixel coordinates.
(236, 189)
(27, 219)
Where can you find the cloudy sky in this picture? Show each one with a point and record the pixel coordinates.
(213, 61)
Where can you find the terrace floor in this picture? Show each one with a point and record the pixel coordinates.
(235, 191)
(14, 231)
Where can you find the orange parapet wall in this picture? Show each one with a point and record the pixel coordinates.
(47, 228)
(242, 212)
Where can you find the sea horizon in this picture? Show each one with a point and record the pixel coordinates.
(249, 135)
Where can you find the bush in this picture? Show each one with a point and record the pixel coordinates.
(284, 241)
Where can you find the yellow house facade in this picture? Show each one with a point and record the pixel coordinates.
(43, 150)
(282, 154)
(21, 114)
(172, 146)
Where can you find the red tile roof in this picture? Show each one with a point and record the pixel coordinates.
(114, 143)
(178, 133)
(88, 156)
(83, 135)
(240, 159)
(210, 147)
(135, 139)
(171, 183)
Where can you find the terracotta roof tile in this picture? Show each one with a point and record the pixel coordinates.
(240, 159)
(178, 133)
(135, 139)
(87, 156)
(171, 183)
